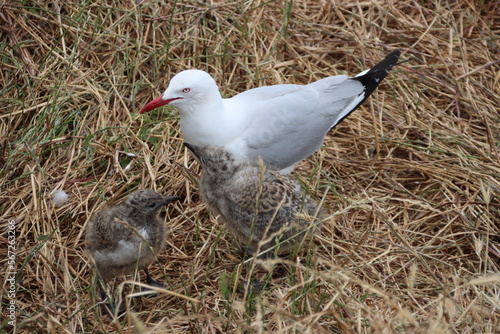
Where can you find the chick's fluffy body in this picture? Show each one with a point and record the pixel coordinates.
(255, 203)
(127, 236)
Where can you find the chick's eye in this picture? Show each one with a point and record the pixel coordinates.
(186, 90)
(152, 205)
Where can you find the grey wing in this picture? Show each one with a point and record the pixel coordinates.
(289, 127)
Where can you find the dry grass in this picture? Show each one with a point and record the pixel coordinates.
(412, 177)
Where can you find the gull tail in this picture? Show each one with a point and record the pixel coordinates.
(370, 79)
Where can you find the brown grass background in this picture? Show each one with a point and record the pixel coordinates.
(411, 178)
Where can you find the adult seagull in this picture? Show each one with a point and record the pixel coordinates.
(282, 123)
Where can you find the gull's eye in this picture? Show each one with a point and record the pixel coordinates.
(186, 90)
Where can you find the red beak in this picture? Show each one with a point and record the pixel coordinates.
(158, 102)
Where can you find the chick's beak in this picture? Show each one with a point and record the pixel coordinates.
(193, 149)
(170, 199)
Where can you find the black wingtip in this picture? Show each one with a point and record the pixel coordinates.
(371, 79)
(386, 64)
(377, 73)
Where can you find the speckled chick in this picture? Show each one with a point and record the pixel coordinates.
(256, 204)
(129, 235)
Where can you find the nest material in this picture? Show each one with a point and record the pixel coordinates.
(411, 178)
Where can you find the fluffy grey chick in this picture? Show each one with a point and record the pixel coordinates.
(127, 236)
(258, 206)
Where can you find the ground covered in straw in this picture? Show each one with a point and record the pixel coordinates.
(411, 178)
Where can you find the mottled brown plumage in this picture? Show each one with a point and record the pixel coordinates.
(255, 203)
(128, 236)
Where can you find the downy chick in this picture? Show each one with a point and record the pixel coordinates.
(261, 207)
(128, 236)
